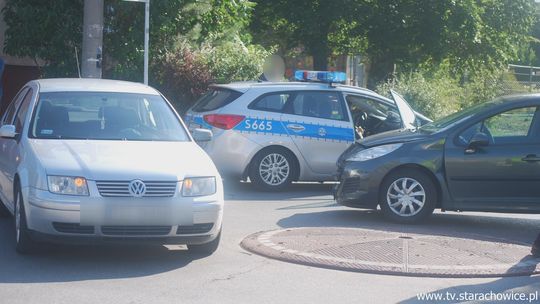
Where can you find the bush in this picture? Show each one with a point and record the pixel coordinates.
(186, 71)
(437, 93)
(183, 76)
(435, 97)
(233, 61)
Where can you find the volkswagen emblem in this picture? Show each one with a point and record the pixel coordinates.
(137, 188)
(322, 132)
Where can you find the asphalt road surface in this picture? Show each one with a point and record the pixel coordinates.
(65, 274)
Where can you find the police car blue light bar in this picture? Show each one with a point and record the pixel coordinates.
(320, 76)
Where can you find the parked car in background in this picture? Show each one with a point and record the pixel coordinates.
(87, 160)
(279, 132)
(485, 158)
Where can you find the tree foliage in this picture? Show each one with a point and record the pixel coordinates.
(197, 20)
(470, 34)
(186, 70)
(45, 30)
(50, 30)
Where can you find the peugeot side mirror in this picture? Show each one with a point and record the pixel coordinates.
(202, 135)
(478, 140)
(8, 131)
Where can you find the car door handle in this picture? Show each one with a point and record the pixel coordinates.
(296, 128)
(531, 158)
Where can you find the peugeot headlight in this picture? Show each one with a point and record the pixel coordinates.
(199, 186)
(67, 185)
(374, 152)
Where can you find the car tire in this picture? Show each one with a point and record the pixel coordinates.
(23, 242)
(396, 201)
(273, 169)
(206, 248)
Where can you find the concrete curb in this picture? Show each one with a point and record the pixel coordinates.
(394, 253)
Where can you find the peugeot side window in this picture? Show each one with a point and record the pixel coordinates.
(513, 126)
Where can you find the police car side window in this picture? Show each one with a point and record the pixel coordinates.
(271, 102)
(326, 105)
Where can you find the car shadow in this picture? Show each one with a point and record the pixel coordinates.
(64, 263)
(514, 230)
(245, 191)
(507, 285)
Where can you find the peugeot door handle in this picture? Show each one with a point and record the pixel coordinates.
(296, 128)
(531, 158)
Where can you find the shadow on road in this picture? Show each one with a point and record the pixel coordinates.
(245, 191)
(472, 226)
(62, 263)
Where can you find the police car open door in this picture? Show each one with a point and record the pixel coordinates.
(319, 124)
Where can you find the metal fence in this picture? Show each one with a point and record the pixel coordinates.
(522, 79)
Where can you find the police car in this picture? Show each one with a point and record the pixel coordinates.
(279, 132)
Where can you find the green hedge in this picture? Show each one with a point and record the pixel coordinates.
(437, 93)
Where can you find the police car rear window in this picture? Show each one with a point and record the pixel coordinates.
(215, 99)
(274, 102)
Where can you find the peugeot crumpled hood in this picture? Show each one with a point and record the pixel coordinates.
(396, 136)
(123, 160)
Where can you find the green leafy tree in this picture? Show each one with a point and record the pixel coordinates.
(309, 24)
(51, 30)
(196, 20)
(47, 31)
(470, 34)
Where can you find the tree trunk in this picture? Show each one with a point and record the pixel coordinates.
(320, 61)
(380, 70)
(320, 52)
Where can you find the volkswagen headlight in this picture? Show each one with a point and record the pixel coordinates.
(199, 186)
(374, 152)
(67, 185)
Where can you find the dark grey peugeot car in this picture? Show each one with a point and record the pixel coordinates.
(485, 158)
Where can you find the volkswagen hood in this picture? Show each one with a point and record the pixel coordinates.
(123, 160)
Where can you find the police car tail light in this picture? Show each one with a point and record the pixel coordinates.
(223, 121)
(320, 76)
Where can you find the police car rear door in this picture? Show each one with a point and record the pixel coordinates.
(320, 126)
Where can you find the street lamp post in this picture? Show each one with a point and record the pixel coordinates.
(146, 35)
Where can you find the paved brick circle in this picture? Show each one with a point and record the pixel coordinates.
(412, 254)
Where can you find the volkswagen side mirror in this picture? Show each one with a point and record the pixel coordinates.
(8, 131)
(202, 135)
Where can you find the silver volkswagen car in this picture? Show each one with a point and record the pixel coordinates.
(87, 160)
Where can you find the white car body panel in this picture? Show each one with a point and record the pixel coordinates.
(31, 160)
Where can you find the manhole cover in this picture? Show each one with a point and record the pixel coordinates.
(413, 254)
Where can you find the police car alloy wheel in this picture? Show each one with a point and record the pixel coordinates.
(273, 168)
(407, 196)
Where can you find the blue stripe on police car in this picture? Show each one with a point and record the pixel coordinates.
(294, 128)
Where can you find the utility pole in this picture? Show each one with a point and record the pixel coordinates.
(146, 35)
(146, 38)
(92, 43)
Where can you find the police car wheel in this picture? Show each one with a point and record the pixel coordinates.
(273, 169)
